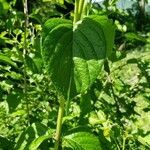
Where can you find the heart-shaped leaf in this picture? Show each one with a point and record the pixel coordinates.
(74, 55)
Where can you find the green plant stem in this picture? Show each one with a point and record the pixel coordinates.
(79, 9)
(59, 123)
(76, 15)
(124, 143)
(24, 60)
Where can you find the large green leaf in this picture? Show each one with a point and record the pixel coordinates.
(33, 136)
(74, 55)
(81, 141)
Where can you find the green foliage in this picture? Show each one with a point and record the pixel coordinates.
(4, 6)
(32, 137)
(81, 141)
(7, 60)
(78, 49)
(112, 112)
(5, 143)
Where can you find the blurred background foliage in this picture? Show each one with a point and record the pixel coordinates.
(116, 107)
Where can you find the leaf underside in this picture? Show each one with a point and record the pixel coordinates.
(74, 56)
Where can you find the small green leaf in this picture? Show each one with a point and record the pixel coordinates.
(7, 60)
(133, 37)
(81, 141)
(132, 61)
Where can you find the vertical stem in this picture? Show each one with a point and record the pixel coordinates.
(124, 143)
(24, 58)
(79, 9)
(76, 15)
(59, 123)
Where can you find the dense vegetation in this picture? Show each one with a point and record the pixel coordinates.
(106, 107)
